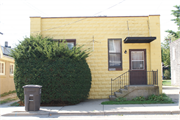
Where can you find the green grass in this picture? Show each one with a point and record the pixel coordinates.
(7, 100)
(151, 99)
(166, 82)
(15, 104)
(135, 102)
(7, 93)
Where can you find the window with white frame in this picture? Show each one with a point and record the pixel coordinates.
(137, 60)
(2, 68)
(11, 69)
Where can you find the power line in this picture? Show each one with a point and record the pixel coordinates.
(109, 7)
(82, 18)
(159, 5)
(30, 5)
(65, 24)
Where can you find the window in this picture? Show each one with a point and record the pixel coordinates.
(115, 54)
(2, 68)
(137, 60)
(70, 42)
(11, 69)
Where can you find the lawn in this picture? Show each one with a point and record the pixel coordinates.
(152, 99)
(8, 100)
(135, 102)
(9, 96)
(166, 82)
(7, 93)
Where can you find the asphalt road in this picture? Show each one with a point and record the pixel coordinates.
(112, 117)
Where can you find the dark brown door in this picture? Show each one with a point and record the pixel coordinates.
(137, 59)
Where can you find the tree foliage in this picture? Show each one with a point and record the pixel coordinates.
(165, 53)
(167, 74)
(176, 14)
(63, 73)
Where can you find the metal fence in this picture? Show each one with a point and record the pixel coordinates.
(124, 79)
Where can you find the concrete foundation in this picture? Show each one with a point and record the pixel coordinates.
(141, 90)
(133, 91)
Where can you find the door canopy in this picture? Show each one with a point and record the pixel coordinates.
(139, 39)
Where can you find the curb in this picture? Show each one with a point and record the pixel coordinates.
(24, 113)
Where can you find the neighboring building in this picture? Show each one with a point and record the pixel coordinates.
(119, 44)
(175, 62)
(6, 69)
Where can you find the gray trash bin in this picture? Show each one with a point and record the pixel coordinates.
(32, 97)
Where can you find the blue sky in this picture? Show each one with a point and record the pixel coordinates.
(15, 21)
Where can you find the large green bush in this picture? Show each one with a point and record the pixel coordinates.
(63, 73)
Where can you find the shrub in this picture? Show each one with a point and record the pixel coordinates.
(139, 98)
(120, 99)
(161, 97)
(63, 73)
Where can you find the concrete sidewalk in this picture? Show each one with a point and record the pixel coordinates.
(94, 107)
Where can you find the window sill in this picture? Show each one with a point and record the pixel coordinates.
(11, 75)
(114, 69)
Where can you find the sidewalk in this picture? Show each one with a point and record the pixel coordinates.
(94, 107)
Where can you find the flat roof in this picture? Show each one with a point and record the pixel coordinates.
(94, 16)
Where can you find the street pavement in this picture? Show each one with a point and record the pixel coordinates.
(94, 108)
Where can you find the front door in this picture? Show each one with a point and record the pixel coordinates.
(137, 59)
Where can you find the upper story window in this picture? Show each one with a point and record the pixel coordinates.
(2, 68)
(115, 54)
(11, 69)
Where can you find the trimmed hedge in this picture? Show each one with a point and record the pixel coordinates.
(63, 73)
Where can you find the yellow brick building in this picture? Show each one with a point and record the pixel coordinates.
(115, 41)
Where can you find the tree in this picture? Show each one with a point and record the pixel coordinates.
(167, 74)
(63, 73)
(165, 52)
(176, 13)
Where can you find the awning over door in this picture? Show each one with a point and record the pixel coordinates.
(139, 39)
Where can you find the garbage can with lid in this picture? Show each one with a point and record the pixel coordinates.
(32, 97)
